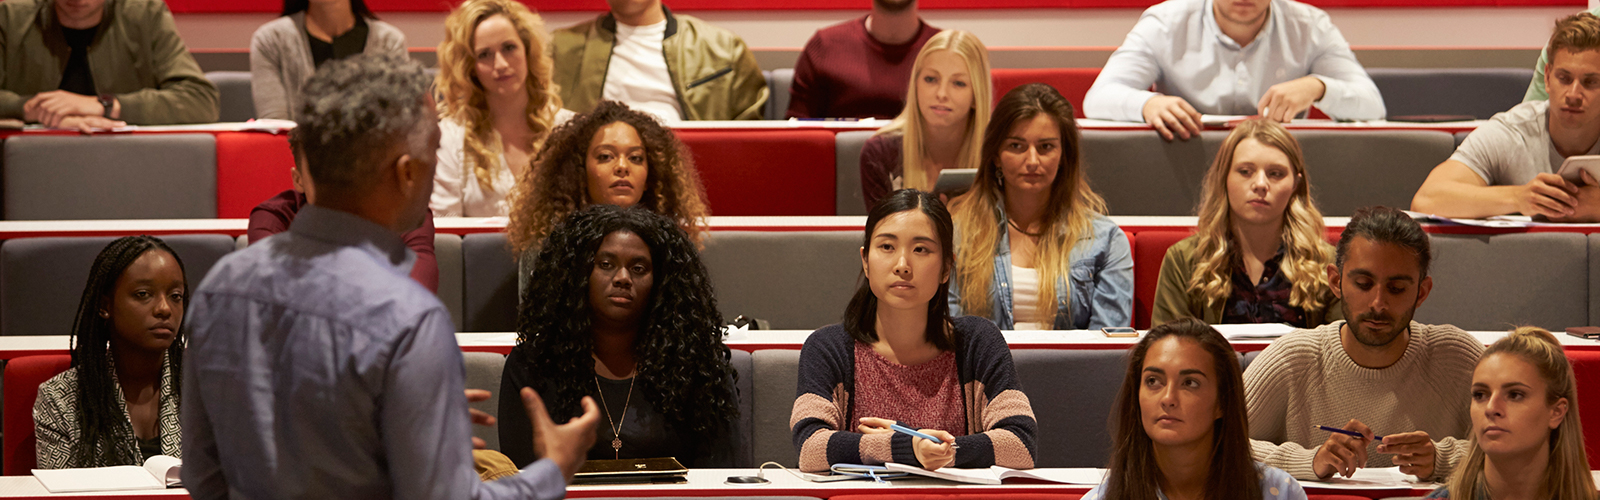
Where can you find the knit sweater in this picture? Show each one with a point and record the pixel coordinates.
(1000, 422)
(281, 62)
(1306, 378)
(845, 72)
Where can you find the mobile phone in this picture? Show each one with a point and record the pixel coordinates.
(1119, 331)
(1586, 332)
(1573, 165)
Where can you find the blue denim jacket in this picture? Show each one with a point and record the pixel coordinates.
(1101, 284)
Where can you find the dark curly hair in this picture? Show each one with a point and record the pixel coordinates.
(557, 184)
(91, 340)
(682, 362)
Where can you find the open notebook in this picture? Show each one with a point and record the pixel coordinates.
(159, 472)
(997, 474)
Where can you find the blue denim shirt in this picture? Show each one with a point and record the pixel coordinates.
(1101, 282)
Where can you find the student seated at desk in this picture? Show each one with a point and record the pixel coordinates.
(1258, 255)
(612, 155)
(285, 51)
(899, 357)
(1181, 428)
(118, 403)
(497, 105)
(622, 310)
(1527, 439)
(941, 126)
(1035, 250)
(1510, 164)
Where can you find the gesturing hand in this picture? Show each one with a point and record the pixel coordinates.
(478, 416)
(567, 444)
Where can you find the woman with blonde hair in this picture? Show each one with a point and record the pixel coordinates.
(496, 105)
(1036, 251)
(1527, 439)
(1259, 253)
(947, 108)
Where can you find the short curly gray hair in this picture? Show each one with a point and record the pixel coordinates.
(355, 112)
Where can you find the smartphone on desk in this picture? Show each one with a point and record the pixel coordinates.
(1573, 166)
(1120, 332)
(1584, 332)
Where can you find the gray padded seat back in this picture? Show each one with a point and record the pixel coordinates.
(240, 242)
(1495, 282)
(847, 196)
(1072, 393)
(1460, 137)
(42, 279)
(447, 249)
(778, 82)
(1246, 358)
(238, 103)
(797, 280)
(777, 373)
(1479, 92)
(488, 284)
(1138, 173)
(483, 372)
(1351, 169)
(744, 366)
(154, 176)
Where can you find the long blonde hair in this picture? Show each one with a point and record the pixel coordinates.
(1567, 475)
(1067, 216)
(461, 97)
(909, 123)
(1305, 257)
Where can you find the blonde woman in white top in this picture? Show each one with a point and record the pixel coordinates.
(496, 105)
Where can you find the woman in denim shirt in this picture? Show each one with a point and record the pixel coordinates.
(1031, 227)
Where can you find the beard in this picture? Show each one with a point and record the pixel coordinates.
(893, 5)
(1376, 338)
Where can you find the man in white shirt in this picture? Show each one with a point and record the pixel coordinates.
(1234, 57)
(1509, 165)
(671, 65)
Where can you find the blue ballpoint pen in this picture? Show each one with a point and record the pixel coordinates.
(913, 433)
(1375, 437)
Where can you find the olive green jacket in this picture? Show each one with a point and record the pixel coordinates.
(714, 74)
(136, 56)
(1173, 300)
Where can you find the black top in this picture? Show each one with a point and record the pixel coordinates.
(1264, 302)
(350, 43)
(645, 431)
(76, 77)
(149, 447)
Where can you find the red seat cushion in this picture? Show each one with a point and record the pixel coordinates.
(764, 172)
(22, 378)
(1586, 369)
(1072, 83)
(251, 167)
(1148, 250)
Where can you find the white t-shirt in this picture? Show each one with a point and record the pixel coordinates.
(637, 75)
(1513, 147)
(456, 190)
(1025, 299)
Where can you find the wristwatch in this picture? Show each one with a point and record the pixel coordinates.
(108, 101)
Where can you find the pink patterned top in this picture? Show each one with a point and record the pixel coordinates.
(925, 396)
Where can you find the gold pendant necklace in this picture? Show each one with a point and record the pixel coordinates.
(616, 425)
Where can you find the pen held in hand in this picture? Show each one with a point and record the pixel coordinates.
(907, 430)
(1375, 437)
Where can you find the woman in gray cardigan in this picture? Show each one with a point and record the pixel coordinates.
(286, 51)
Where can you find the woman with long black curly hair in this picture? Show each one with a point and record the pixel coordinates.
(118, 403)
(622, 309)
(611, 155)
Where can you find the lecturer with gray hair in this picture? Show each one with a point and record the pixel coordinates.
(316, 367)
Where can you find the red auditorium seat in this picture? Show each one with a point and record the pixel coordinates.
(764, 172)
(1073, 83)
(1148, 249)
(23, 376)
(251, 167)
(1586, 368)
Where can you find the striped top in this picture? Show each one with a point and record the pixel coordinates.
(1000, 425)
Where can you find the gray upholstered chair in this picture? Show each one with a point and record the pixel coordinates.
(1072, 393)
(447, 249)
(777, 374)
(153, 176)
(848, 199)
(238, 103)
(42, 279)
(744, 365)
(1496, 282)
(489, 284)
(778, 82)
(796, 280)
(483, 372)
(1478, 92)
(1354, 169)
(1138, 173)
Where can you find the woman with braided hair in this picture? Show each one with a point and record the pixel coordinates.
(118, 403)
(621, 309)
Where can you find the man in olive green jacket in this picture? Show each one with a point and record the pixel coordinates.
(138, 68)
(713, 75)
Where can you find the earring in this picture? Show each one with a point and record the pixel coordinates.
(105, 314)
(999, 178)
